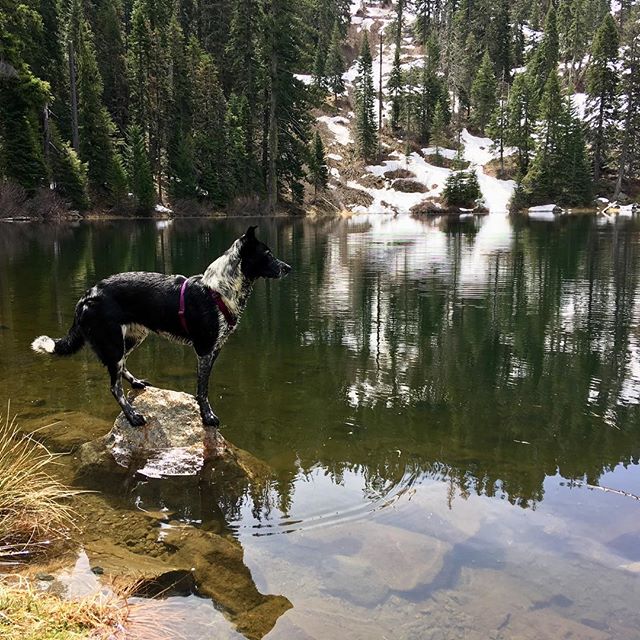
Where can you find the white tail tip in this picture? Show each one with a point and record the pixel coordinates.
(43, 344)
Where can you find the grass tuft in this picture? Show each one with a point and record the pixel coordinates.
(34, 509)
(29, 614)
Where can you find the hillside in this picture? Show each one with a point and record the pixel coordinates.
(411, 171)
(198, 108)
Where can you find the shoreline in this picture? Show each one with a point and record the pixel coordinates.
(313, 214)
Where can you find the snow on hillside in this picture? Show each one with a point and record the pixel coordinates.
(477, 151)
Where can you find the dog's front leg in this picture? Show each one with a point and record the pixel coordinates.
(205, 363)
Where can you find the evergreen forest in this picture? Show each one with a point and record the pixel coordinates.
(135, 104)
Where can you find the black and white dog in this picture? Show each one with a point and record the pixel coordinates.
(116, 315)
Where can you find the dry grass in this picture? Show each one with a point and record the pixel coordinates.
(29, 614)
(34, 507)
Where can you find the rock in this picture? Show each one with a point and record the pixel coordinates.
(408, 186)
(173, 442)
(427, 207)
(45, 577)
(372, 181)
(399, 173)
(544, 209)
(623, 198)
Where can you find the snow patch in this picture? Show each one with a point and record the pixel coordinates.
(450, 154)
(579, 103)
(338, 126)
(305, 78)
(162, 209)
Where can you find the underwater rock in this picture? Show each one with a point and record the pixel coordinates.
(173, 442)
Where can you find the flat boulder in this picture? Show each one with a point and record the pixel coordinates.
(173, 442)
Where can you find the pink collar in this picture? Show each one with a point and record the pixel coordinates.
(217, 298)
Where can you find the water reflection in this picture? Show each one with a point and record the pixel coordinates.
(487, 354)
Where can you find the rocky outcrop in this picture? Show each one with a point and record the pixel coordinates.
(204, 480)
(173, 442)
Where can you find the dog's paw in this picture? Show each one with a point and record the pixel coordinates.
(136, 419)
(140, 384)
(210, 419)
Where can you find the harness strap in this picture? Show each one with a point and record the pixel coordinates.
(183, 320)
(230, 319)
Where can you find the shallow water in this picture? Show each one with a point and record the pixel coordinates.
(442, 405)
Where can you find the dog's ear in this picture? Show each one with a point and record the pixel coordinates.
(251, 232)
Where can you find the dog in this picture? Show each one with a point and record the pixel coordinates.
(118, 313)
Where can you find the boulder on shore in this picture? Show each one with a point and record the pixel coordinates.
(173, 442)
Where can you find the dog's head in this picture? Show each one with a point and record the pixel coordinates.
(256, 259)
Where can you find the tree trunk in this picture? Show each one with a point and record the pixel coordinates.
(272, 180)
(380, 102)
(75, 135)
(624, 151)
(47, 131)
(597, 151)
(265, 137)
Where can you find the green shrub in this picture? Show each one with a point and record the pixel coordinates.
(462, 189)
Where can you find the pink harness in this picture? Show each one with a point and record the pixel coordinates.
(217, 298)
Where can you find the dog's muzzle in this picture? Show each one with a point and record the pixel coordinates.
(285, 269)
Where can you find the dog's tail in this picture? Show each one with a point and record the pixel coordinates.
(72, 342)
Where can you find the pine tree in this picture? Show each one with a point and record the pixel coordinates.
(559, 171)
(286, 121)
(22, 99)
(180, 156)
(439, 128)
(150, 90)
(319, 65)
(483, 94)
(520, 120)
(499, 41)
(602, 80)
(111, 57)
(139, 169)
(238, 158)
(630, 97)
(248, 82)
(432, 92)
(335, 64)
(498, 127)
(318, 172)
(394, 87)
(209, 129)
(546, 56)
(68, 173)
(366, 137)
(542, 181)
(462, 189)
(96, 129)
(576, 174)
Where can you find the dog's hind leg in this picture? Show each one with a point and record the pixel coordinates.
(205, 362)
(133, 335)
(109, 347)
(116, 372)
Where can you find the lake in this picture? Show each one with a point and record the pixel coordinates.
(450, 413)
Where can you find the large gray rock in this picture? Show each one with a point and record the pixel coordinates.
(173, 442)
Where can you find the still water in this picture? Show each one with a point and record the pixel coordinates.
(450, 414)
